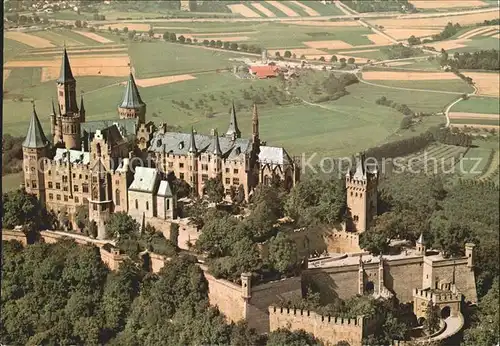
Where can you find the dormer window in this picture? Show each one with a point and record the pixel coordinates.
(181, 145)
(158, 142)
(238, 151)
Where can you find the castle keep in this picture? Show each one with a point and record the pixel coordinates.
(94, 163)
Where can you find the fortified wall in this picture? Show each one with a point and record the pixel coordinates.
(329, 329)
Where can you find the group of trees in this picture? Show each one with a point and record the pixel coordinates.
(172, 37)
(12, 154)
(74, 299)
(380, 6)
(26, 19)
(399, 51)
(482, 60)
(402, 108)
(449, 30)
(317, 87)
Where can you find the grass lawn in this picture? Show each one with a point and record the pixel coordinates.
(476, 121)
(12, 181)
(60, 37)
(478, 43)
(487, 105)
(21, 79)
(457, 85)
(161, 58)
(13, 48)
(324, 10)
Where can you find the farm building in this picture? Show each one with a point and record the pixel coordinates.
(263, 72)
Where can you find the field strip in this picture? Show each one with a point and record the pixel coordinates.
(149, 82)
(243, 10)
(475, 33)
(464, 115)
(297, 51)
(97, 61)
(223, 38)
(399, 63)
(490, 32)
(130, 26)
(323, 23)
(77, 51)
(52, 73)
(258, 6)
(6, 74)
(405, 75)
(470, 32)
(285, 9)
(30, 40)
(430, 22)
(403, 34)
(493, 33)
(431, 4)
(307, 9)
(378, 40)
(477, 126)
(360, 51)
(409, 89)
(94, 36)
(493, 167)
(447, 45)
(486, 83)
(332, 44)
(203, 35)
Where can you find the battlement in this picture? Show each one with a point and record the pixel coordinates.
(437, 297)
(314, 317)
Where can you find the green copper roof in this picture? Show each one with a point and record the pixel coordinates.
(233, 125)
(131, 97)
(35, 138)
(66, 75)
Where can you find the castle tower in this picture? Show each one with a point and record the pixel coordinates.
(100, 202)
(361, 187)
(420, 245)
(217, 158)
(54, 128)
(361, 276)
(254, 159)
(69, 119)
(246, 285)
(82, 110)
(233, 131)
(132, 106)
(469, 253)
(193, 162)
(35, 149)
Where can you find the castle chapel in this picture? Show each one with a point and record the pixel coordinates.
(94, 163)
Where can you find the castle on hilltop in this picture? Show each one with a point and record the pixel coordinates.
(95, 163)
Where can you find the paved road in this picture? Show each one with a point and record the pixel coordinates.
(453, 325)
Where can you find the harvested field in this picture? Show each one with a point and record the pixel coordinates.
(378, 40)
(399, 63)
(76, 51)
(6, 74)
(307, 9)
(477, 126)
(325, 23)
(461, 115)
(94, 36)
(434, 22)
(243, 10)
(52, 73)
(493, 32)
(447, 45)
(150, 82)
(477, 31)
(496, 36)
(447, 3)
(404, 75)
(298, 51)
(263, 9)
(130, 26)
(359, 51)
(403, 34)
(487, 83)
(285, 9)
(30, 40)
(333, 44)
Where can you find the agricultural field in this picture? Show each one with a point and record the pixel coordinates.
(486, 105)
(435, 159)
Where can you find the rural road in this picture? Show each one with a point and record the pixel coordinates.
(295, 19)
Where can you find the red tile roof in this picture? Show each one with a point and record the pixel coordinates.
(264, 71)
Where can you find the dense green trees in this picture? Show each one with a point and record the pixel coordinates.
(214, 190)
(12, 154)
(482, 60)
(400, 51)
(449, 30)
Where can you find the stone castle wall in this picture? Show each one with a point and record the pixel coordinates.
(330, 330)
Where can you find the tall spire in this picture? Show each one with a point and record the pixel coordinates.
(360, 172)
(420, 239)
(131, 97)
(255, 122)
(82, 107)
(233, 129)
(217, 150)
(35, 138)
(192, 143)
(66, 75)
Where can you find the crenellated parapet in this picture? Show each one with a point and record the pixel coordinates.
(315, 317)
(437, 297)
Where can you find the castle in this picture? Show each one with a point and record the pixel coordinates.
(95, 163)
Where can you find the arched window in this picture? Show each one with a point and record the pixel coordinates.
(136, 204)
(117, 197)
(147, 205)
(98, 149)
(168, 204)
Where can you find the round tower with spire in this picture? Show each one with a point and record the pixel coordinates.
(193, 162)
(233, 131)
(35, 150)
(132, 106)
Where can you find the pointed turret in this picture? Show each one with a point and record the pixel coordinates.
(216, 144)
(255, 122)
(35, 138)
(65, 75)
(192, 143)
(233, 130)
(131, 97)
(360, 172)
(420, 239)
(82, 110)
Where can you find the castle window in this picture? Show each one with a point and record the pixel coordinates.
(61, 93)
(351, 193)
(33, 184)
(50, 185)
(74, 176)
(58, 186)
(51, 196)
(227, 170)
(50, 173)
(170, 164)
(75, 188)
(58, 197)
(204, 167)
(356, 194)
(181, 176)
(85, 188)
(147, 205)
(228, 180)
(236, 181)
(86, 177)
(94, 206)
(80, 176)
(65, 179)
(65, 188)
(204, 177)
(168, 204)
(77, 200)
(235, 171)
(181, 165)
(360, 195)
(136, 204)
(65, 198)
(117, 197)
(27, 183)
